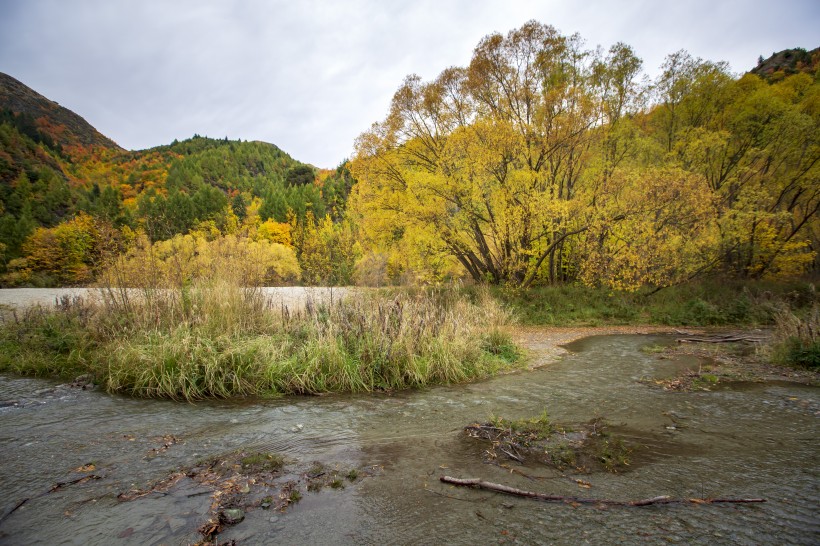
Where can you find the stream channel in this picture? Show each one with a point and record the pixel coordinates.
(749, 440)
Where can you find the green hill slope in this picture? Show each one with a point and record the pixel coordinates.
(54, 165)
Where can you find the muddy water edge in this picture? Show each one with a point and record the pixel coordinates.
(760, 440)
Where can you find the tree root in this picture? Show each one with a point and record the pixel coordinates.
(480, 484)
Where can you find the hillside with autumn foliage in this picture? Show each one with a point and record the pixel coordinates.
(71, 199)
(540, 162)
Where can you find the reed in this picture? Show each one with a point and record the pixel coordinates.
(219, 340)
(797, 338)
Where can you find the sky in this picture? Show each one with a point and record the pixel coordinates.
(310, 76)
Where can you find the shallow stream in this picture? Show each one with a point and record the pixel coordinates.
(758, 440)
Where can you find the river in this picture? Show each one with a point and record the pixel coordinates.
(754, 440)
(291, 296)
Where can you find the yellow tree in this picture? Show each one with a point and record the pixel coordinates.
(327, 250)
(651, 226)
(759, 148)
(482, 163)
(67, 253)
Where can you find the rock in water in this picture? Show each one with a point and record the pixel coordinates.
(232, 516)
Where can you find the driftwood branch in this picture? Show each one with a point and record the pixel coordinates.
(56, 487)
(499, 488)
(60, 485)
(722, 338)
(13, 510)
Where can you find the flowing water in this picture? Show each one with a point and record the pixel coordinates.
(754, 440)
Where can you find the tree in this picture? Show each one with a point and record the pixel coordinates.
(300, 175)
(327, 251)
(67, 253)
(483, 164)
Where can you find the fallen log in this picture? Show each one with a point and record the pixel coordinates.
(499, 488)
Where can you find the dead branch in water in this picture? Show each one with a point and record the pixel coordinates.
(722, 338)
(61, 485)
(499, 488)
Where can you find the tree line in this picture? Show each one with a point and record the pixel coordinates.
(543, 161)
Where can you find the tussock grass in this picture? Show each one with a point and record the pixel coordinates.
(216, 339)
(797, 338)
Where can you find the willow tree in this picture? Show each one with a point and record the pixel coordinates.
(758, 146)
(483, 162)
(508, 166)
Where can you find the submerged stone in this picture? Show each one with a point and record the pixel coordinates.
(232, 516)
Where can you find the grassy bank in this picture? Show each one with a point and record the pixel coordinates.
(218, 340)
(790, 309)
(708, 303)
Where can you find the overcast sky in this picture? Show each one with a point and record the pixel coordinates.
(310, 76)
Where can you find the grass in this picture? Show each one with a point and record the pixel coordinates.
(295, 496)
(534, 428)
(263, 462)
(797, 338)
(217, 340)
(706, 303)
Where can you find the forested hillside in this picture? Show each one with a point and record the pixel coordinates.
(541, 162)
(70, 198)
(788, 62)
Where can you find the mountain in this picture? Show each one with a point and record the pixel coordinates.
(786, 62)
(55, 165)
(61, 124)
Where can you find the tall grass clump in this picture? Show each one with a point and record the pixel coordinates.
(797, 338)
(48, 341)
(217, 339)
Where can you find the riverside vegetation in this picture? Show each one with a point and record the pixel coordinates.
(217, 339)
(579, 191)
